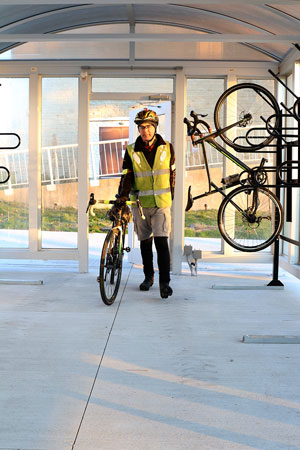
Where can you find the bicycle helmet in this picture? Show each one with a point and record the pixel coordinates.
(146, 115)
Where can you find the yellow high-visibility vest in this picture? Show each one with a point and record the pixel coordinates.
(153, 183)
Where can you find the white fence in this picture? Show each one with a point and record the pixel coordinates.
(60, 163)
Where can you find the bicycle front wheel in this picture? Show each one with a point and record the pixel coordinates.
(243, 99)
(250, 218)
(111, 267)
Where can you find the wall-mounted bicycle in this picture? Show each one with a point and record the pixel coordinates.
(250, 217)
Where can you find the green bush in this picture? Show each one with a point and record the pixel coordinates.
(201, 224)
(14, 216)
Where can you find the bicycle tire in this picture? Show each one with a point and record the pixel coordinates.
(296, 109)
(110, 271)
(253, 99)
(245, 235)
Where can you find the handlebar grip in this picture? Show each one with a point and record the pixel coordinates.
(92, 210)
(195, 117)
(190, 127)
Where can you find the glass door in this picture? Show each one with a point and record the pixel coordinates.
(114, 102)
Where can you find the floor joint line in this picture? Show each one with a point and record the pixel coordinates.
(99, 365)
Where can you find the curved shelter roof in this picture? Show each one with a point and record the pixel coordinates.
(159, 31)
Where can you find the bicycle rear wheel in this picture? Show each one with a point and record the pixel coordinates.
(111, 267)
(250, 218)
(247, 98)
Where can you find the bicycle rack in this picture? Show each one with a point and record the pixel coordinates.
(192, 257)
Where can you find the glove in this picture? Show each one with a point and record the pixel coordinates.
(120, 202)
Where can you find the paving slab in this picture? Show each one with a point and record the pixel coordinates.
(147, 373)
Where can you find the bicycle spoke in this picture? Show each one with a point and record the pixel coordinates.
(255, 228)
(243, 99)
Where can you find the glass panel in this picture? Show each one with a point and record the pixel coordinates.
(74, 50)
(149, 85)
(201, 230)
(109, 135)
(203, 51)
(59, 162)
(14, 110)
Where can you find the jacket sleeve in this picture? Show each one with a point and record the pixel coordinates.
(127, 178)
(172, 171)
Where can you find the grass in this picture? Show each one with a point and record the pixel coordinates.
(201, 224)
(14, 215)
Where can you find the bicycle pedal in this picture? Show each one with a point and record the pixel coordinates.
(127, 249)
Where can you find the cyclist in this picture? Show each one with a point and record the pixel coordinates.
(149, 167)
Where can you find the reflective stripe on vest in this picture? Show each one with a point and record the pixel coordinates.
(159, 192)
(149, 173)
(153, 184)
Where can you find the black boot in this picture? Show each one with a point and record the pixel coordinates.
(147, 283)
(165, 289)
(147, 257)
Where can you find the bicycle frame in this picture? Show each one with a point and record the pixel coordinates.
(210, 139)
(110, 270)
(118, 224)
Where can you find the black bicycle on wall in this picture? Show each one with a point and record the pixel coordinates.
(250, 217)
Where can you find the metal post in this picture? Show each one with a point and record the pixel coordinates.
(275, 281)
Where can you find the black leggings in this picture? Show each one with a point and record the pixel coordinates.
(163, 257)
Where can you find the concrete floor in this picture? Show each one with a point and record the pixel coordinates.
(147, 373)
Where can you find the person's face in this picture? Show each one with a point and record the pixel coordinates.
(147, 131)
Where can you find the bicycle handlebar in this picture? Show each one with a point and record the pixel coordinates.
(93, 202)
(192, 128)
(194, 131)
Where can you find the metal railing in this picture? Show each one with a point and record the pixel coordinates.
(60, 163)
(106, 158)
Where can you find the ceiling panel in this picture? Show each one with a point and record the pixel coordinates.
(211, 17)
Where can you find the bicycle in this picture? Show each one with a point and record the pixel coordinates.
(250, 217)
(111, 261)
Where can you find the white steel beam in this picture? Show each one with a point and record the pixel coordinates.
(180, 147)
(148, 37)
(83, 170)
(34, 165)
(146, 2)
